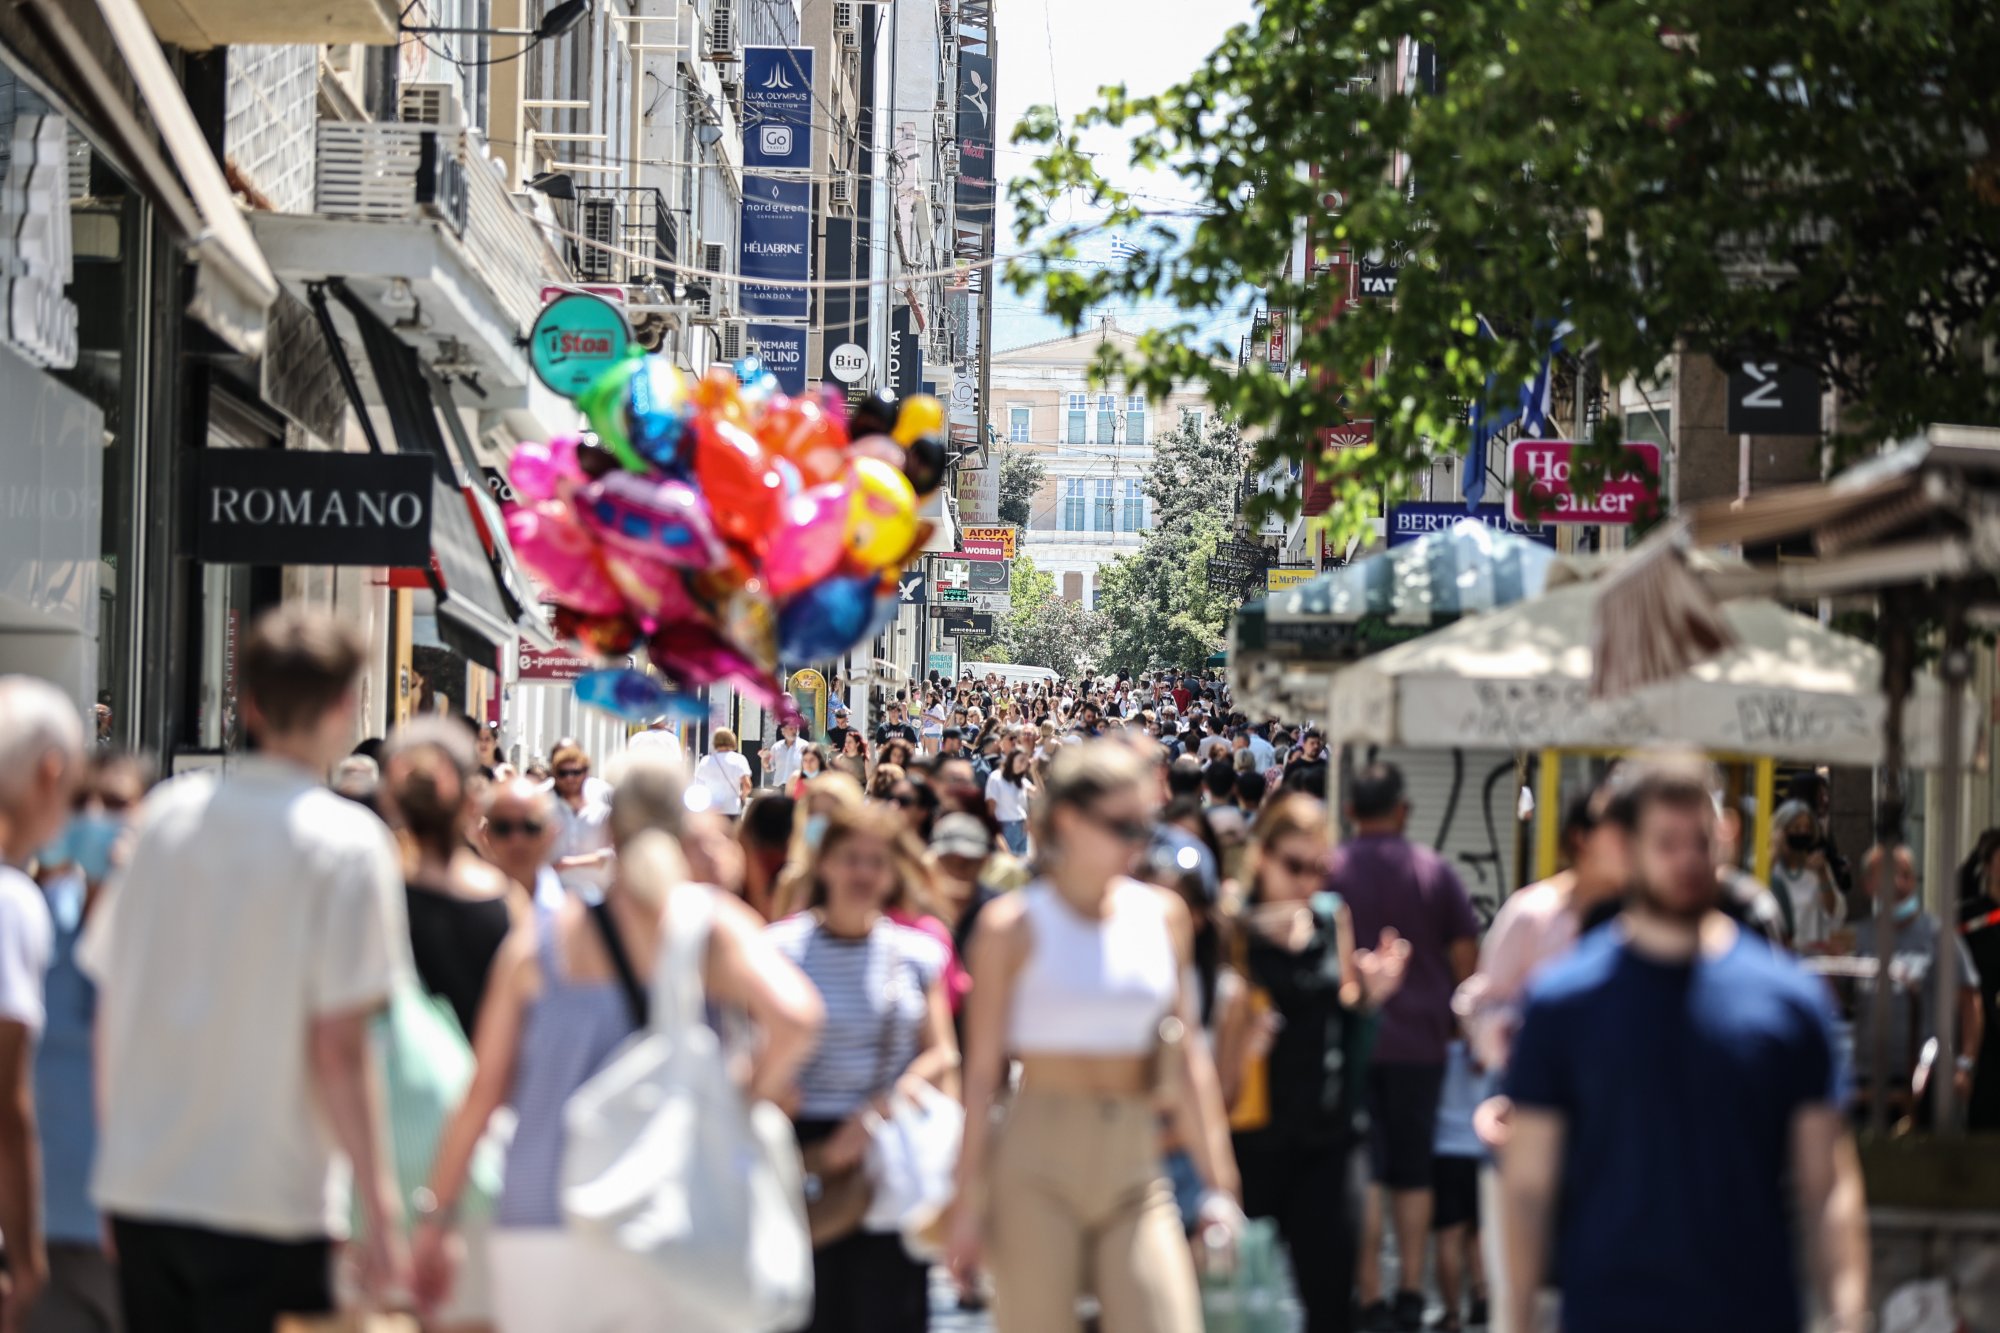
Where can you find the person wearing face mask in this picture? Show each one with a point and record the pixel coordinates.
(832, 792)
(1916, 942)
(82, 1292)
(1803, 879)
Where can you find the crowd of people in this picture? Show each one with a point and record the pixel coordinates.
(1108, 919)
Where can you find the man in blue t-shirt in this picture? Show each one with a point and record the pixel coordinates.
(1669, 1078)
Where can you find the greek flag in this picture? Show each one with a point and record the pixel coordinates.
(1536, 394)
(1122, 250)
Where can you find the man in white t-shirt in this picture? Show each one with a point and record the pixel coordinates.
(241, 959)
(41, 761)
(783, 759)
(724, 774)
(659, 736)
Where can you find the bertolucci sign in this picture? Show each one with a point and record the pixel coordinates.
(293, 507)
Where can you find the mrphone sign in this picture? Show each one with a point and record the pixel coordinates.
(1546, 477)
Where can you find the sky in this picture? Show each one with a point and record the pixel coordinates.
(1063, 51)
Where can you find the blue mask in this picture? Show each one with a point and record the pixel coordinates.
(1906, 908)
(87, 840)
(815, 830)
(60, 849)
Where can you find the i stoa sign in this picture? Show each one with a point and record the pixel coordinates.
(1545, 475)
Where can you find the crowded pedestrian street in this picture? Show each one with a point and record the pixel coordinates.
(996, 666)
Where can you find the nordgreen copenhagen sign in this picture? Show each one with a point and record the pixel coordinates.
(575, 338)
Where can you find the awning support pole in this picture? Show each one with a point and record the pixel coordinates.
(1548, 814)
(1954, 669)
(1767, 790)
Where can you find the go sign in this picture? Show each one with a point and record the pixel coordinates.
(575, 338)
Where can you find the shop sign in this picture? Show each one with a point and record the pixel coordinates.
(575, 338)
(776, 231)
(297, 507)
(1773, 398)
(1376, 276)
(998, 603)
(848, 363)
(1548, 467)
(782, 349)
(945, 664)
(989, 576)
(557, 666)
(777, 108)
(960, 624)
(989, 543)
(978, 493)
(1407, 522)
(808, 690)
(1287, 576)
(36, 315)
(910, 588)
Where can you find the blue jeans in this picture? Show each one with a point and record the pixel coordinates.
(1014, 832)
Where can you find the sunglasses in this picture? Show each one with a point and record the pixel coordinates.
(1299, 866)
(507, 828)
(1134, 831)
(572, 772)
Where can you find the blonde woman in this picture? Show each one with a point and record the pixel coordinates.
(888, 1028)
(1078, 976)
(556, 1008)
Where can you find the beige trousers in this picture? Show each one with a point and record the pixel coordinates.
(1080, 1204)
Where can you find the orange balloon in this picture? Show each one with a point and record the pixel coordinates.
(813, 439)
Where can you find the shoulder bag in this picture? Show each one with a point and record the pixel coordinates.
(666, 1162)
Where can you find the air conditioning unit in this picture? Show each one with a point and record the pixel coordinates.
(596, 220)
(843, 16)
(937, 194)
(722, 33)
(850, 40)
(714, 257)
(735, 339)
(947, 27)
(947, 127)
(948, 159)
(843, 192)
(440, 104)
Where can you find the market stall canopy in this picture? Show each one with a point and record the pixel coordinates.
(1283, 647)
(1789, 688)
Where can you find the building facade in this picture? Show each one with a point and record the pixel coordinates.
(1094, 443)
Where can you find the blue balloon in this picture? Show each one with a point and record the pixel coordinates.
(748, 368)
(826, 619)
(636, 696)
(659, 407)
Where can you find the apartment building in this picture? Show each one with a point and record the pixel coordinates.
(1095, 443)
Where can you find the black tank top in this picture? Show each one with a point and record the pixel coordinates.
(1312, 1096)
(453, 940)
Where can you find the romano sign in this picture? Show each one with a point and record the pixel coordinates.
(294, 507)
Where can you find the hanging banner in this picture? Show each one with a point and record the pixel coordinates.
(782, 349)
(975, 125)
(906, 354)
(777, 243)
(1623, 498)
(777, 108)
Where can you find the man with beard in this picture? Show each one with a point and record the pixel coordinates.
(1669, 1080)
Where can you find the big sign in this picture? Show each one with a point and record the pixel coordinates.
(1547, 467)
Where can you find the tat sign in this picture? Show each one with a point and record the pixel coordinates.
(1619, 500)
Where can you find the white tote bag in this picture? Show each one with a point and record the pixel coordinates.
(911, 1160)
(667, 1163)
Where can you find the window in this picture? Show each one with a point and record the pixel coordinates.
(1072, 585)
(1654, 427)
(1135, 419)
(1135, 505)
(1105, 519)
(1192, 420)
(1107, 418)
(1017, 424)
(1073, 427)
(1072, 510)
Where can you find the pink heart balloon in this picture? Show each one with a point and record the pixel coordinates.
(810, 540)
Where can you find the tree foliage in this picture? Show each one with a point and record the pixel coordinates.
(1155, 605)
(1817, 181)
(1021, 476)
(1041, 629)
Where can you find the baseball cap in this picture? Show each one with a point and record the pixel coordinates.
(961, 835)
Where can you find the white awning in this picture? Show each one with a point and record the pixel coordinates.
(233, 287)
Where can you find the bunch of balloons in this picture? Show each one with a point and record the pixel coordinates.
(723, 526)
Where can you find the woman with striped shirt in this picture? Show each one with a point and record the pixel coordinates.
(888, 1025)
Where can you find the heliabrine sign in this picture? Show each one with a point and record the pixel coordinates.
(1548, 471)
(776, 231)
(575, 338)
(988, 543)
(310, 507)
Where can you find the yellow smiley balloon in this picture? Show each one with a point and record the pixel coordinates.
(921, 415)
(882, 515)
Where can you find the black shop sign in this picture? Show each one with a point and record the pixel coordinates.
(292, 507)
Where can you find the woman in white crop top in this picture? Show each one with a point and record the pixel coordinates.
(1079, 977)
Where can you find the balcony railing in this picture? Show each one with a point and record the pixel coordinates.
(636, 220)
(1061, 537)
(385, 171)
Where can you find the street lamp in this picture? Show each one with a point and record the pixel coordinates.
(556, 20)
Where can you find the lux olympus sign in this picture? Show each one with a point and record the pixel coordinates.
(291, 507)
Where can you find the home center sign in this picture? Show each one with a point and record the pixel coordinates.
(1546, 477)
(575, 338)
